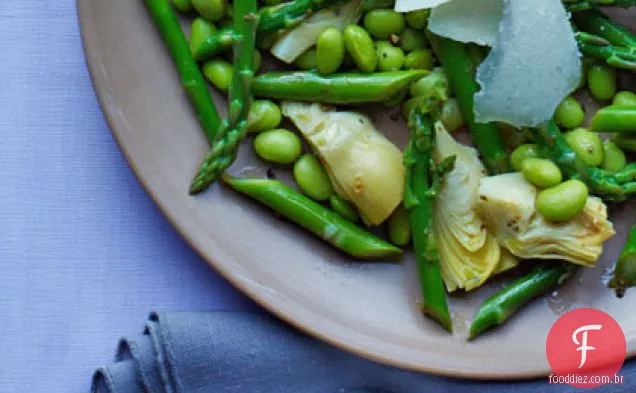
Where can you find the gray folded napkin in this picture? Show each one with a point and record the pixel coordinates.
(227, 352)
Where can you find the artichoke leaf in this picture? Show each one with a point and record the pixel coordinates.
(507, 204)
(469, 254)
(364, 166)
(463, 269)
(458, 197)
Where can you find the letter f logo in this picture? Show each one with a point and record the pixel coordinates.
(583, 344)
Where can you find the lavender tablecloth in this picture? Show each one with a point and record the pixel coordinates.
(84, 252)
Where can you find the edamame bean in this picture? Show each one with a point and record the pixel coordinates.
(399, 225)
(624, 98)
(569, 113)
(541, 172)
(614, 158)
(330, 51)
(344, 208)
(312, 179)
(219, 73)
(562, 202)
(390, 58)
(522, 153)
(182, 5)
(601, 82)
(212, 10)
(264, 115)
(200, 31)
(361, 48)
(279, 146)
(381, 23)
(419, 59)
(587, 145)
(308, 60)
(452, 116)
(417, 19)
(412, 39)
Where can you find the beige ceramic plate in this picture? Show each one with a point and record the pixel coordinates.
(368, 309)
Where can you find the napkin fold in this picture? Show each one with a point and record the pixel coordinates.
(232, 352)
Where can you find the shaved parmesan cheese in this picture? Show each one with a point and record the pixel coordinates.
(468, 21)
(534, 64)
(413, 5)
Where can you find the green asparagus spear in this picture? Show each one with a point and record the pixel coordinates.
(335, 88)
(314, 217)
(460, 69)
(597, 23)
(191, 78)
(582, 5)
(604, 39)
(213, 45)
(624, 275)
(616, 119)
(502, 305)
(418, 201)
(601, 49)
(225, 146)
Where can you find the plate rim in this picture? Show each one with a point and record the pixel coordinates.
(99, 83)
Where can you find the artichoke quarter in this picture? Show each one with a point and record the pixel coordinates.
(364, 166)
(469, 253)
(507, 204)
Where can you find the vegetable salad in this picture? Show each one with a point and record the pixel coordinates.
(530, 194)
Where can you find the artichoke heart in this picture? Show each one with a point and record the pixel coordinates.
(364, 166)
(461, 268)
(458, 196)
(469, 254)
(507, 204)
